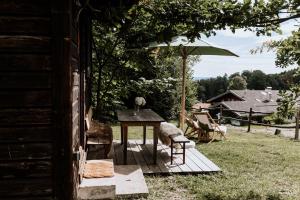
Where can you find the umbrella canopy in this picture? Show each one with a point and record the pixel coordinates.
(183, 47)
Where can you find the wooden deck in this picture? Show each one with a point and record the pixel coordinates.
(139, 154)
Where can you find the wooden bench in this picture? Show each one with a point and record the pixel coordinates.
(98, 133)
(181, 140)
(170, 135)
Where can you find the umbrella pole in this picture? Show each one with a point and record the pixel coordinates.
(182, 112)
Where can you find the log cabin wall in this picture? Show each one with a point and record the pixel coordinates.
(26, 114)
(39, 99)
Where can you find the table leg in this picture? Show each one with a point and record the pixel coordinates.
(144, 134)
(125, 139)
(155, 141)
(122, 135)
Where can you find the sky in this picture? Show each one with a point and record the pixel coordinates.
(240, 43)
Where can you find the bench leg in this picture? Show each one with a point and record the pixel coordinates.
(171, 152)
(144, 134)
(183, 153)
(122, 134)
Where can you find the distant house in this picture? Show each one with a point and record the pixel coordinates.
(199, 106)
(262, 102)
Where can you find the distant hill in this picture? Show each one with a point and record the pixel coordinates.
(201, 78)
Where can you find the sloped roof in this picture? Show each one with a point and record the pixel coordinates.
(263, 101)
(223, 94)
(251, 95)
(200, 105)
(262, 108)
(257, 96)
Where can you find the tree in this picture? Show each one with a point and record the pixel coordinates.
(287, 104)
(237, 83)
(122, 27)
(257, 80)
(211, 87)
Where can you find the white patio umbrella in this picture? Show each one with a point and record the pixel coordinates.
(183, 47)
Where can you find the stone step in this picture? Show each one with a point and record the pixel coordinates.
(97, 188)
(128, 182)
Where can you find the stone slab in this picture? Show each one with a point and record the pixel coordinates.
(97, 188)
(130, 182)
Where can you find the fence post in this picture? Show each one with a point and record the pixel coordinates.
(297, 125)
(221, 114)
(249, 119)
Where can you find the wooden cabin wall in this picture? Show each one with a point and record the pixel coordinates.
(39, 99)
(76, 105)
(26, 114)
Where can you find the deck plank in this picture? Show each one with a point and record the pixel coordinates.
(149, 158)
(138, 157)
(139, 154)
(204, 159)
(177, 162)
(162, 165)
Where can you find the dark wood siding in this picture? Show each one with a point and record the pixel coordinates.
(26, 100)
(41, 98)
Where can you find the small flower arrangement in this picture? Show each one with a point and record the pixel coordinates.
(139, 101)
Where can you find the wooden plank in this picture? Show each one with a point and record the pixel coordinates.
(21, 98)
(75, 79)
(62, 89)
(25, 169)
(25, 7)
(198, 161)
(13, 117)
(144, 115)
(163, 167)
(74, 50)
(28, 151)
(130, 157)
(138, 156)
(24, 44)
(75, 110)
(75, 65)
(175, 167)
(25, 80)
(74, 34)
(26, 187)
(191, 164)
(25, 62)
(148, 158)
(24, 25)
(119, 153)
(25, 134)
(204, 159)
(75, 93)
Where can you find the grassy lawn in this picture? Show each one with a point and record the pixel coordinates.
(255, 166)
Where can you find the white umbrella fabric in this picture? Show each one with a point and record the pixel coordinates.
(183, 47)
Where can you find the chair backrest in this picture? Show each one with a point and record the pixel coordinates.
(204, 121)
(189, 122)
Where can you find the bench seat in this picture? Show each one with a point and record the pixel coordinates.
(181, 140)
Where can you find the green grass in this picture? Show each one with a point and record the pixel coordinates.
(254, 166)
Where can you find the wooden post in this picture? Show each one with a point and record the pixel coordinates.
(182, 112)
(249, 119)
(221, 114)
(297, 125)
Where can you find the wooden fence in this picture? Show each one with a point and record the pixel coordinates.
(250, 121)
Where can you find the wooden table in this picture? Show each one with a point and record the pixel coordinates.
(145, 117)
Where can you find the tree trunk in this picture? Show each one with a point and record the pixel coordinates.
(183, 96)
